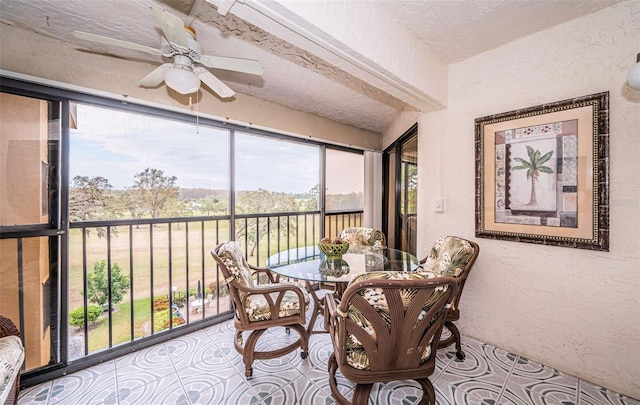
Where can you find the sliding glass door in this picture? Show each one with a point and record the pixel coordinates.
(401, 196)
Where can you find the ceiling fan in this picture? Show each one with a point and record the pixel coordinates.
(179, 43)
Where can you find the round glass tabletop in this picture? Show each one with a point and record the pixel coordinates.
(310, 264)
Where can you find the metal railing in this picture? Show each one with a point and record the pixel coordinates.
(166, 262)
(130, 287)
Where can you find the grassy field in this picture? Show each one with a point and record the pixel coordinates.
(156, 258)
(99, 335)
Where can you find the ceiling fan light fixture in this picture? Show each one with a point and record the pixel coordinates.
(633, 78)
(182, 80)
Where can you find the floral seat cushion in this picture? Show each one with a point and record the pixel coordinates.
(363, 240)
(448, 257)
(256, 305)
(355, 353)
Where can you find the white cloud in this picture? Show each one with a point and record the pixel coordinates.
(118, 144)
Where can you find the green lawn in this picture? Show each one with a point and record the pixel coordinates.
(157, 253)
(99, 335)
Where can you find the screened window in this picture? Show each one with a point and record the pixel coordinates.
(274, 175)
(344, 180)
(125, 165)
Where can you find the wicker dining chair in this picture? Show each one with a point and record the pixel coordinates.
(364, 240)
(452, 256)
(386, 327)
(258, 307)
(8, 328)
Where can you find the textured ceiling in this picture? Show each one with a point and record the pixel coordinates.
(459, 29)
(454, 30)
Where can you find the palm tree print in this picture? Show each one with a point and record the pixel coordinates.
(534, 167)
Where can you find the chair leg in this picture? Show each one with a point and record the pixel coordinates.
(248, 349)
(428, 392)
(361, 394)
(455, 337)
(304, 340)
(333, 384)
(249, 353)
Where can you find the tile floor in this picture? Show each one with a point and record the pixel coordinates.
(204, 368)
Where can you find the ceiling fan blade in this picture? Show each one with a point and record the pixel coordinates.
(251, 66)
(172, 26)
(213, 82)
(156, 76)
(115, 42)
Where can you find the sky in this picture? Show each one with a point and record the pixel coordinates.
(117, 144)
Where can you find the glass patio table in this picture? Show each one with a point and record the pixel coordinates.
(310, 265)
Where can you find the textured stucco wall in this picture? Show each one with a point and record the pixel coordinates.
(23, 51)
(573, 309)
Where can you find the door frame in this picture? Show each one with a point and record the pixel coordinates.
(392, 195)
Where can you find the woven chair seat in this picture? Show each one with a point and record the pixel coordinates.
(259, 309)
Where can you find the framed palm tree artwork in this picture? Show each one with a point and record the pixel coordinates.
(542, 174)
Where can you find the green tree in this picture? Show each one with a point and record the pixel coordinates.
(259, 202)
(154, 189)
(410, 178)
(534, 167)
(90, 198)
(310, 203)
(210, 205)
(354, 200)
(97, 284)
(130, 203)
(175, 208)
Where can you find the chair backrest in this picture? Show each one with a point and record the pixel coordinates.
(232, 263)
(452, 256)
(363, 239)
(392, 325)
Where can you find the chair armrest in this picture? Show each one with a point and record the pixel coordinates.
(273, 277)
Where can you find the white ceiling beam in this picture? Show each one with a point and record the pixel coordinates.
(358, 37)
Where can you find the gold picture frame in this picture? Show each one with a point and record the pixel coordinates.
(542, 174)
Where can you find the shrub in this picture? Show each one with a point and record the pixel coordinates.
(160, 304)
(161, 320)
(76, 317)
